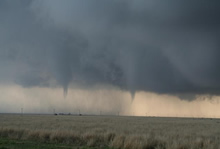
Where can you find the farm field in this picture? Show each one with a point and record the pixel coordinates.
(25, 144)
(106, 132)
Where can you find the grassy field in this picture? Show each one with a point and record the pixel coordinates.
(6, 143)
(49, 131)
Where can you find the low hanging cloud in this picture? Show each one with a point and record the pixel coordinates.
(167, 47)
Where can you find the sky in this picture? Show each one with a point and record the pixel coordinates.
(113, 56)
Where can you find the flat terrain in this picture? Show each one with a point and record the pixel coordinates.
(25, 144)
(49, 131)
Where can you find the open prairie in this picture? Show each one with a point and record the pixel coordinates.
(113, 131)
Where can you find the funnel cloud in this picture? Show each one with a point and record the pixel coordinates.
(163, 47)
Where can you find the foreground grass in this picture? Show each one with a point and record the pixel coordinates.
(113, 132)
(23, 144)
(6, 143)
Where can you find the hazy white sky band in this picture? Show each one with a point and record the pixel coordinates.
(109, 101)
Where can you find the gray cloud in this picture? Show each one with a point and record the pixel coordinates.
(167, 47)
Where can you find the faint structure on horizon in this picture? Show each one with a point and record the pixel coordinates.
(79, 112)
(22, 111)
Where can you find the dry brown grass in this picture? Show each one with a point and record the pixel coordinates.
(117, 132)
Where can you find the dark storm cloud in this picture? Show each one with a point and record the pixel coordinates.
(167, 47)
